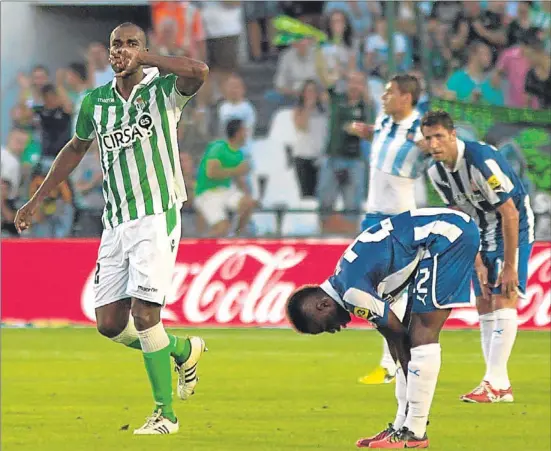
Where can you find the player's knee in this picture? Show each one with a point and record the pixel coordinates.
(109, 327)
(145, 316)
(501, 302)
(424, 337)
(483, 306)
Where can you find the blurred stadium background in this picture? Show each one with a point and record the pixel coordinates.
(267, 80)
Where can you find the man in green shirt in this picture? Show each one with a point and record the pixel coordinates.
(220, 182)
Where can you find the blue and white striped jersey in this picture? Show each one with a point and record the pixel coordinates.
(395, 163)
(480, 183)
(393, 149)
(382, 260)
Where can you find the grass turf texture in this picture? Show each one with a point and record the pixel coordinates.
(70, 389)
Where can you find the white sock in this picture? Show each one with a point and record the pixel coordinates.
(503, 340)
(128, 335)
(486, 329)
(154, 339)
(423, 370)
(401, 398)
(399, 309)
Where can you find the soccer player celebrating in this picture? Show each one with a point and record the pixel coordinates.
(397, 160)
(475, 178)
(432, 247)
(134, 120)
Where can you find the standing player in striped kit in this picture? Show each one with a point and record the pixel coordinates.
(134, 119)
(475, 178)
(397, 160)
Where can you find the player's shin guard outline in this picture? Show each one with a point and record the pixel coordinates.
(401, 398)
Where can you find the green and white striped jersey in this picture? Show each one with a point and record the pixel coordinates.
(138, 146)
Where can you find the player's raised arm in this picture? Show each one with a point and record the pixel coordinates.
(66, 161)
(191, 73)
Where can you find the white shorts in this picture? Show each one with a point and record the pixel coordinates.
(214, 204)
(137, 258)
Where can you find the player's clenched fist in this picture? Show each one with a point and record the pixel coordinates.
(23, 217)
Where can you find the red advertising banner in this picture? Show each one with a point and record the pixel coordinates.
(225, 283)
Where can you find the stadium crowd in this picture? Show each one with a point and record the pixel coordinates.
(495, 53)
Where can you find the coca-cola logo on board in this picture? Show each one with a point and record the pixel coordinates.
(249, 284)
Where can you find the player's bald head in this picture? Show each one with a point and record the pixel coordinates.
(129, 29)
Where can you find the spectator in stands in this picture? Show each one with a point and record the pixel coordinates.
(76, 79)
(23, 118)
(255, 13)
(343, 169)
(100, 71)
(55, 121)
(7, 210)
(361, 14)
(476, 25)
(538, 78)
(470, 84)
(220, 186)
(520, 25)
(54, 218)
(338, 53)
(513, 66)
(193, 223)
(11, 161)
(87, 181)
(440, 53)
(376, 51)
(310, 125)
(309, 12)
(236, 106)
(446, 12)
(178, 29)
(30, 88)
(296, 64)
(224, 24)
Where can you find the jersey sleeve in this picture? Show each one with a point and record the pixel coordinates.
(441, 186)
(490, 175)
(365, 304)
(84, 129)
(176, 98)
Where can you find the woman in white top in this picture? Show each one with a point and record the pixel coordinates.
(310, 128)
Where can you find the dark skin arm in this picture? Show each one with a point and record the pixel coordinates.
(66, 161)
(191, 73)
(396, 334)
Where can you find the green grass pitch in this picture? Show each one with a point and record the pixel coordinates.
(70, 389)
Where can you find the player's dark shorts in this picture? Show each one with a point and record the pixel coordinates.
(443, 280)
(494, 262)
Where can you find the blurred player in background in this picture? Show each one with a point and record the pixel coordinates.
(134, 119)
(435, 249)
(475, 178)
(397, 159)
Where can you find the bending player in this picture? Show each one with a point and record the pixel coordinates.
(397, 159)
(434, 249)
(134, 120)
(475, 178)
